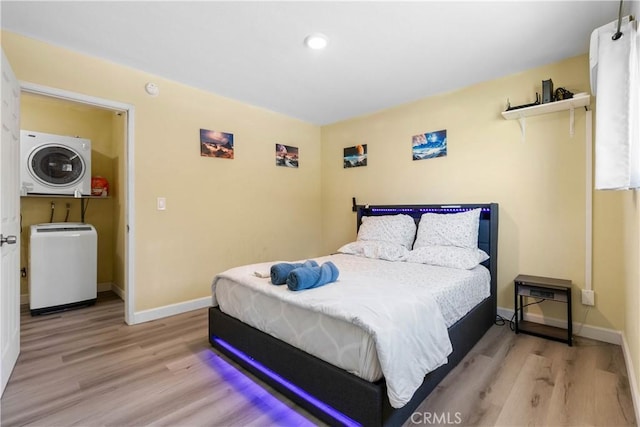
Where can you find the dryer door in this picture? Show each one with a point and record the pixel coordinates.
(56, 165)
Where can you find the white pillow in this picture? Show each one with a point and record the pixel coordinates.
(376, 249)
(400, 229)
(459, 229)
(448, 256)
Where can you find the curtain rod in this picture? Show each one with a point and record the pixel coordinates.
(618, 33)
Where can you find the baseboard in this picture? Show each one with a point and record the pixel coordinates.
(633, 384)
(118, 291)
(170, 310)
(151, 314)
(102, 287)
(587, 331)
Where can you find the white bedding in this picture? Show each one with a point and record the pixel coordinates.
(363, 300)
(335, 341)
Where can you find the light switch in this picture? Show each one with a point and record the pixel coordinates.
(162, 203)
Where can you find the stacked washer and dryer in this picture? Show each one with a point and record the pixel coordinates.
(62, 256)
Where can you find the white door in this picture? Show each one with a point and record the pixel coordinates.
(9, 223)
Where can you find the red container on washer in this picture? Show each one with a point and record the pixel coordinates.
(99, 186)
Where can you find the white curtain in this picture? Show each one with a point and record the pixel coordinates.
(615, 73)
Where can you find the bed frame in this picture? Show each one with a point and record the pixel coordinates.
(332, 394)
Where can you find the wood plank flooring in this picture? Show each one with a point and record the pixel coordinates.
(87, 368)
(521, 380)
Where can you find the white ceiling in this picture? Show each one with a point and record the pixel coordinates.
(380, 54)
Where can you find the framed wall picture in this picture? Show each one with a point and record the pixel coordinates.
(429, 145)
(287, 156)
(216, 144)
(355, 156)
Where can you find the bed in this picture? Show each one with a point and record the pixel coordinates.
(332, 390)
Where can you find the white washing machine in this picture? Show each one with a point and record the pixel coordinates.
(63, 269)
(54, 164)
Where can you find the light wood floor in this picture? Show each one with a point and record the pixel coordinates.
(521, 380)
(86, 367)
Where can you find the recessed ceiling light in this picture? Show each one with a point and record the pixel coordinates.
(316, 41)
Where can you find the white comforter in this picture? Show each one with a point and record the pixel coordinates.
(402, 317)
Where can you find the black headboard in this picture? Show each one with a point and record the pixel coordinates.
(487, 233)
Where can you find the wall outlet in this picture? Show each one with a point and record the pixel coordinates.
(588, 297)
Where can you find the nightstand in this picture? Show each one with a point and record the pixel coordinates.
(548, 289)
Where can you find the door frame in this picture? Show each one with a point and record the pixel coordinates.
(129, 244)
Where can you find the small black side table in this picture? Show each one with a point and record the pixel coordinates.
(545, 288)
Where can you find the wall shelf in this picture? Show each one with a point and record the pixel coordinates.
(579, 100)
(64, 196)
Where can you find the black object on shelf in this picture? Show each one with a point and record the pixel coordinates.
(548, 96)
(547, 91)
(517, 107)
(562, 93)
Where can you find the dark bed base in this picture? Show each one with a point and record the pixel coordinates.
(363, 402)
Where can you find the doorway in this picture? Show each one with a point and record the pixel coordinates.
(117, 267)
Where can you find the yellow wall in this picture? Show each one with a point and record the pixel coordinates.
(220, 213)
(539, 183)
(630, 221)
(49, 115)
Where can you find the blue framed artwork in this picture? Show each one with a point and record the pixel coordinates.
(429, 145)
